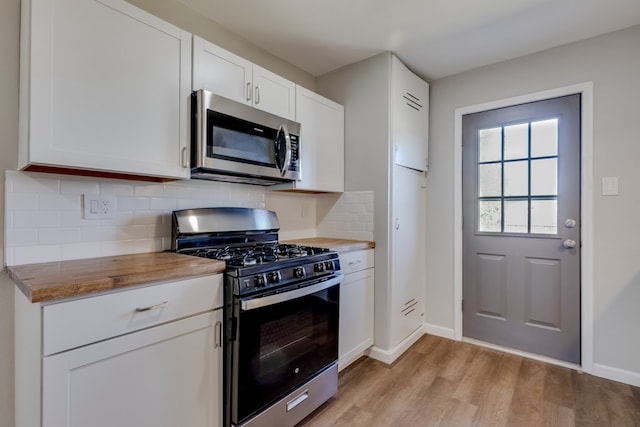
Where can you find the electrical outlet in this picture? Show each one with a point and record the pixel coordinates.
(96, 206)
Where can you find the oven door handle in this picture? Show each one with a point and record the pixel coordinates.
(252, 304)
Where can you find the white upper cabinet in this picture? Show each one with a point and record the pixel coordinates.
(321, 143)
(104, 88)
(410, 117)
(227, 74)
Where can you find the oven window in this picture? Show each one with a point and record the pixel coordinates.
(284, 345)
(231, 138)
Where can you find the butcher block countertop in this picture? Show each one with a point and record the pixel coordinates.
(338, 245)
(54, 280)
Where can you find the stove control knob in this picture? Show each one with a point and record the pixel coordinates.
(298, 272)
(328, 265)
(273, 277)
(258, 282)
(318, 268)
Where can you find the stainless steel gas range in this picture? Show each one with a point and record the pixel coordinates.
(281, 314)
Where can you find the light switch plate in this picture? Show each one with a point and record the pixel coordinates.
(95, 206)
(610, 186)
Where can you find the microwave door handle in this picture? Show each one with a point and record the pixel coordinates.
(287, 156)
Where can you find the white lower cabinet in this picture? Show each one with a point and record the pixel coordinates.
(163, 376)
(161, 366)
(356, 306)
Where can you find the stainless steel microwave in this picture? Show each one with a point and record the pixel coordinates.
(235, 142)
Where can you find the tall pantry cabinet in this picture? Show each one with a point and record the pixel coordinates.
(386, 139)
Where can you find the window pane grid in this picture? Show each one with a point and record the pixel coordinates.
(527, 203)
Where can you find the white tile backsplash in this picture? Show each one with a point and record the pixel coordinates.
(44, 220)
(349, 217)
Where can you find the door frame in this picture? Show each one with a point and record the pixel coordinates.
(586, 208)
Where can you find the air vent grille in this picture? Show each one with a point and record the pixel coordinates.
(413, 101)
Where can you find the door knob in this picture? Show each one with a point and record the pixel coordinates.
(570, 223)
(569, 244)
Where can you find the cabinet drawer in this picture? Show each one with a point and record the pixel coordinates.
(356, 261)
(79, 322)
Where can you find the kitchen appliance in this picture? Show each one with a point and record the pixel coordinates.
(235, 142)
(281, 314)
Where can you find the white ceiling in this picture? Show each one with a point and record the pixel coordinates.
(435, 38)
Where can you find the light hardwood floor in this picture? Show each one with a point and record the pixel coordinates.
(440, 382)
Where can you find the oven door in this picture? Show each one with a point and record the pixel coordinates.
(283, 341)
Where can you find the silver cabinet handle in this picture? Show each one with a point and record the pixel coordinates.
(257, 97)
(569, 244)
(218, 334)
(297, 400)
(248, 95)
(185, 163)
(152, 307)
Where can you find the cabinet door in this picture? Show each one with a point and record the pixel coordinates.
(410, 117)
(409, 253)
(321, 142)
(356, 316)
(273, 93)
(169, 376)
(105, 87)
(221, 72)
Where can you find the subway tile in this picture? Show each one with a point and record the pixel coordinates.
(162, 204)
(21, 202)
(177, 191)
(148, 245)
(149, 190)
(146, 218)
(16, 237)
(78, 186)
(83, 250)
(29, 219)
(36, 254)
(109, 188)
(33, 183)
(133, 203)
(73, 219)
(98, 233)
(158, 230)
(117, 247)
(59, 202)
(58, 236)
(131, 232)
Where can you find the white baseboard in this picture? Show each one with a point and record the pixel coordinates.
(439, 331)
(616, 374)
(353, 355)
(389, 356)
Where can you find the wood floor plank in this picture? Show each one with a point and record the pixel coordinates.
(496, 402)
(558, 387)
(482, 369)
(526, 405)
(440, 382)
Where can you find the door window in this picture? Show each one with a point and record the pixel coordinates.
(517, 171)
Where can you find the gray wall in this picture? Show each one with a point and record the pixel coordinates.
(9, 54)
(612, 63)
